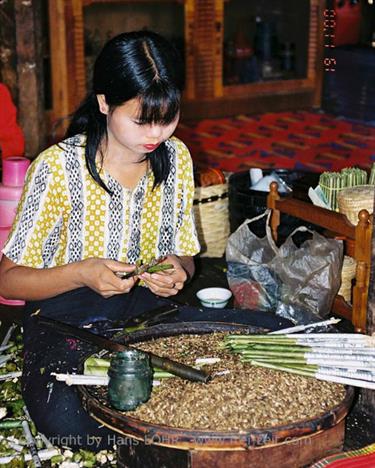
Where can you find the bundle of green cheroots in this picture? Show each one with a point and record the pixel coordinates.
(371, 179)
(332, 182)
(343, 358)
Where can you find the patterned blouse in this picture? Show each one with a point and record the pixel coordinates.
(64, 216)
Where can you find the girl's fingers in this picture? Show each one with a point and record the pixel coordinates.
(164, 281)
(162, 289)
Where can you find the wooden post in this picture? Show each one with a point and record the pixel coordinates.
(371, 291)
(362, 254)
(272, 197)
(59, 68)
(30, 74)
(207, 45)
(67, 60)
(316, 49)
(8, 56)
(21, 67)
(368, 396)
(189, 11)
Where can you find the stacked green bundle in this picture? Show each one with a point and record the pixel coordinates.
(332, 182)
(343, 358)
(95, 366)
(353, 176)
(371, 180)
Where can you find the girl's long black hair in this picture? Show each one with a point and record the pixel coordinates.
(138, 64)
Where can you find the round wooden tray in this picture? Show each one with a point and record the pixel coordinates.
(318, 435)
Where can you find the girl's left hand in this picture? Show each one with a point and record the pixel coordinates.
(168, 282)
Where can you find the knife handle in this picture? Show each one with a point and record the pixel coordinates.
(181, 370)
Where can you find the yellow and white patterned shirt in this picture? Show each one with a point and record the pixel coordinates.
(64, 216)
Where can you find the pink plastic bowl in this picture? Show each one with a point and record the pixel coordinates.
(4, 232)
(11, 302)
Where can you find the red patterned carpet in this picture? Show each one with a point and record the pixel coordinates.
(301, 140)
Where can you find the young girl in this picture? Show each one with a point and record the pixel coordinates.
(117, 191)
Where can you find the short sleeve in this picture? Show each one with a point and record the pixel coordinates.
(186, 234)
(36, 231)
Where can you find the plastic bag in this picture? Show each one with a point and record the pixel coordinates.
(297, 283)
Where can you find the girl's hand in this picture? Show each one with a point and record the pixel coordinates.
(168, 282)
(99, 274)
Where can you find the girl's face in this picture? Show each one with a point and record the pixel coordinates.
(126, 134)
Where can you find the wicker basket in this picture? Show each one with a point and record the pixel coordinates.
(347, 275)
(212, 219)
(354, 199)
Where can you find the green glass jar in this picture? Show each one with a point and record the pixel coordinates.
(130, 379)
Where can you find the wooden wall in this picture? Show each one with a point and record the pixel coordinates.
(21, 65)
(22, 60)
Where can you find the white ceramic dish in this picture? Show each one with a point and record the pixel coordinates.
(214, 297)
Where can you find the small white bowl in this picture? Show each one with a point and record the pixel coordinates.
(214, 297)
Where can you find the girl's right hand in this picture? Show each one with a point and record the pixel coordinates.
(99, 274)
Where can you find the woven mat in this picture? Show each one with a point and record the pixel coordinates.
(300, 140)
(361, 458)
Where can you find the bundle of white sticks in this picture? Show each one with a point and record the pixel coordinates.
(344, 358)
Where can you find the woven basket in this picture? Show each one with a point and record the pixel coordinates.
(212, 219)
(347, 275)
(354, 199)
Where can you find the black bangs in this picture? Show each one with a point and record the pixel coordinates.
(159, 104)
